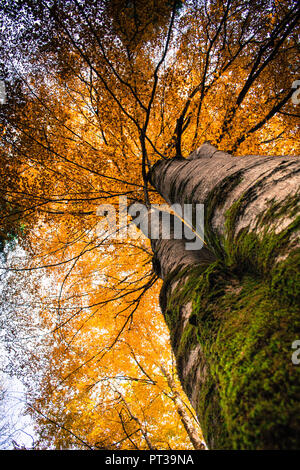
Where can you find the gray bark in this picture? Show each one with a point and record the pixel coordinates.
(251, 208)
(181, 410)
(209, 173)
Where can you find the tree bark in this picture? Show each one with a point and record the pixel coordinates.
(232, 307)
(182, 412)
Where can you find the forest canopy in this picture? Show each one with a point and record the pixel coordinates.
(97, 92)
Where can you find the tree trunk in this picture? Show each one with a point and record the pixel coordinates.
(186, 420)
(232, 307)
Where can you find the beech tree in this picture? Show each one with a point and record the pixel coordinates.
(158, 102)
(226, 305)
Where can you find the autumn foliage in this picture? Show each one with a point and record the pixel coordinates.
(97, 91)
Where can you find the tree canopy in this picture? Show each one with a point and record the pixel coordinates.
(97, 92)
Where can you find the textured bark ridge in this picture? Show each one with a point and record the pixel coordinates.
(233, 307)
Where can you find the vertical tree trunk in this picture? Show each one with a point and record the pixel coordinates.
(233, 307)
(186, 420)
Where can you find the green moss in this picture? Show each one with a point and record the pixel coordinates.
(285, 280)
(249, 398)
(250, 353)
(256, 251)
(277, 210)
(216, 199)
(245, 321)
(181, 296)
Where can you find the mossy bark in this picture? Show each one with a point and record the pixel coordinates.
(233, 313)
